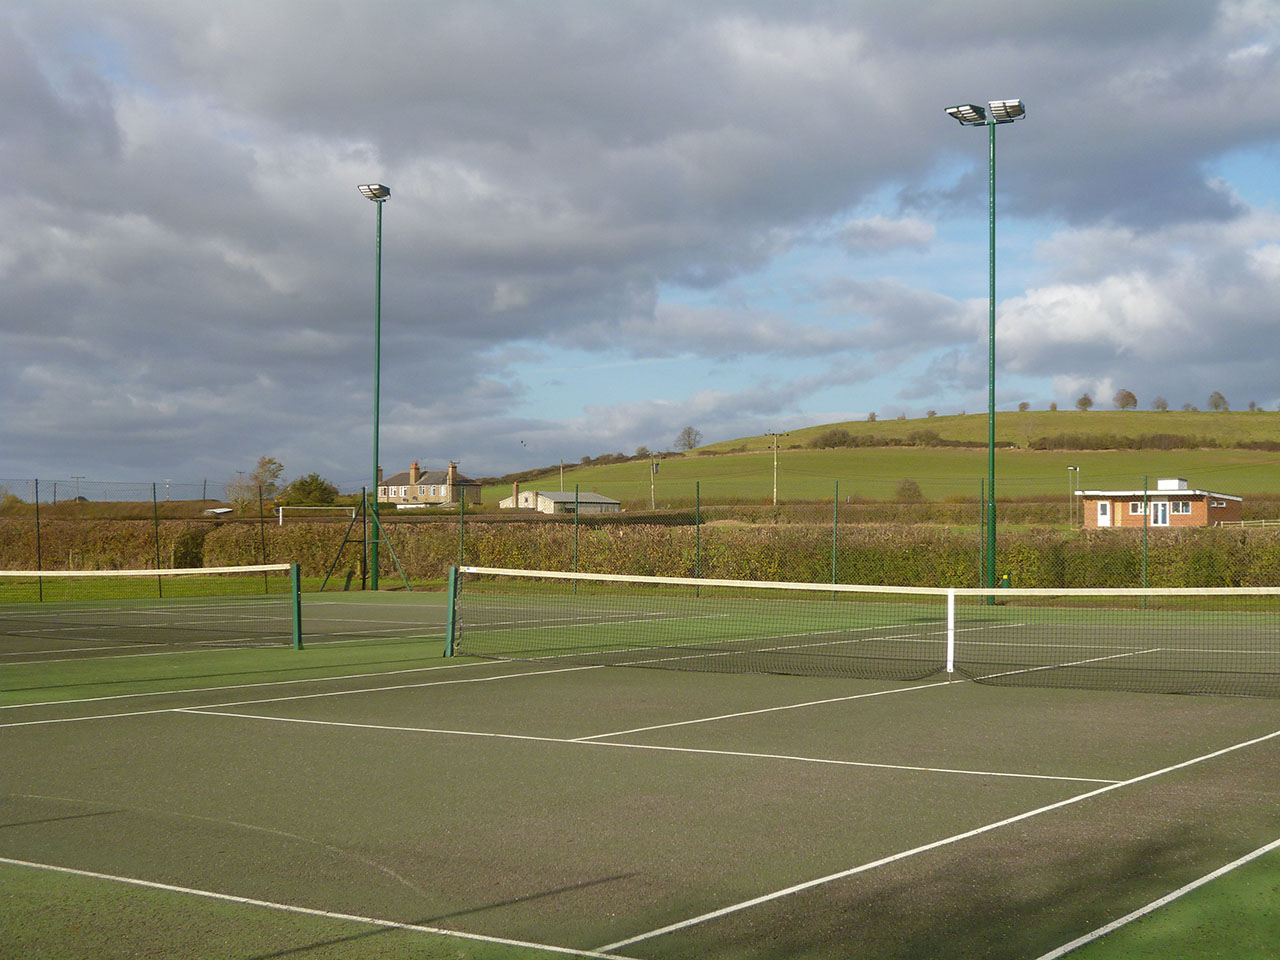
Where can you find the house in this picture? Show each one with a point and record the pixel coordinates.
(418, 488)
(1171, 504)
(559, 502)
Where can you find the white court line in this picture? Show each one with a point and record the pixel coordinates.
(749, 713)
(312, 912)
(245, 686)
(925, 848)
(199, 711)
(300, 696)
(1155, 905)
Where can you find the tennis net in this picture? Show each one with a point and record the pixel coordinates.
(1216, 641)
(44, 611)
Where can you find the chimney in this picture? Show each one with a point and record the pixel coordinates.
(413, 473)
(515, 494)
(379, 476)
(453, 473)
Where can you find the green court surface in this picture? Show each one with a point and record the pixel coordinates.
(366, 797)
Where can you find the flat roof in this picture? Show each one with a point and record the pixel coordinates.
(1157, 494)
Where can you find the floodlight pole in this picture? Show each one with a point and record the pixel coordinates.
(972, 115)
(378, 194)
(991, 358)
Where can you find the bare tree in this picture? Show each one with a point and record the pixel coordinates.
(1085, 402)
(1024, 406)
(1125, 400)
(1218, 402)
(266, 476)
(689, 438)
(1160, 403)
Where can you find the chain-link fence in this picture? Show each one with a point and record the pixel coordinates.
(841, 540)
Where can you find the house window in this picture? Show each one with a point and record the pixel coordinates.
(1135, 508)
(1217, 503)
(422, 490)
(1180, 506)
(433, 490)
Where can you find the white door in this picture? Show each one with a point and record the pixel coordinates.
(1159, 513)
(1104, 513)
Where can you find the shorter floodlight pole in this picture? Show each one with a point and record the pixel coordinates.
(378, 194)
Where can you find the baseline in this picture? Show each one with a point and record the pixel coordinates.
(925, 848)
(313, 912)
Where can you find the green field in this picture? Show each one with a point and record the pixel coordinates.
(874, 473)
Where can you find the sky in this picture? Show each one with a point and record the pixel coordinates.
(612, 220)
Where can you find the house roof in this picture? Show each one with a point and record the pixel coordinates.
(1158, 494)
(401, 479)
(561, 497)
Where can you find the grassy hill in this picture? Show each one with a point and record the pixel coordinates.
(742, 470)
(1021, 428)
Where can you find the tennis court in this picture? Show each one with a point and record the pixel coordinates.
(363, 795)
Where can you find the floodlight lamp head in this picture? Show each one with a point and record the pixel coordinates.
(375, 191)
(1007, 111)
(969, 114)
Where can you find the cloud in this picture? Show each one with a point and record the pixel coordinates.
(879, 233)
(191, 286)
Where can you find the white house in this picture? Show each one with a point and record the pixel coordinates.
(558, 502)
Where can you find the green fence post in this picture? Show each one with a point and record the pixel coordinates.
(39, 552)
(697, 526)
(295, 582)
(835, 528)
(575, 532)
(451, 626)
(1146, 522)
(462, 525)
(155, 522)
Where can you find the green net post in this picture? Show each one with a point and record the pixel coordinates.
(451, 626)
(295, 585)
(575, 529)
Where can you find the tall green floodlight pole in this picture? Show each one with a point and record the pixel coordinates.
(972, 115)
(378, 194)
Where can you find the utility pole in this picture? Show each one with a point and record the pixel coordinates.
(775, 465)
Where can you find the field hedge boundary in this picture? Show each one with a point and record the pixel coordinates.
(892, 554)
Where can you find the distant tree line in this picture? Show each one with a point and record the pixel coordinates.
(1126, 400)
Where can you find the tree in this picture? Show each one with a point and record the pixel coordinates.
(311, 490)
(1125, 400)
(1218, 402)
(1085, 402)
(1160, 403)
(871, 417)
(689, 438)
(1053, 407)
(266, 476)
(908, 492)
(1023, 407)
(931, 413)
(643, 452)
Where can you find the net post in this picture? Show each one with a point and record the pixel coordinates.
(451, 625)
(951, 630)
(295, 586)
